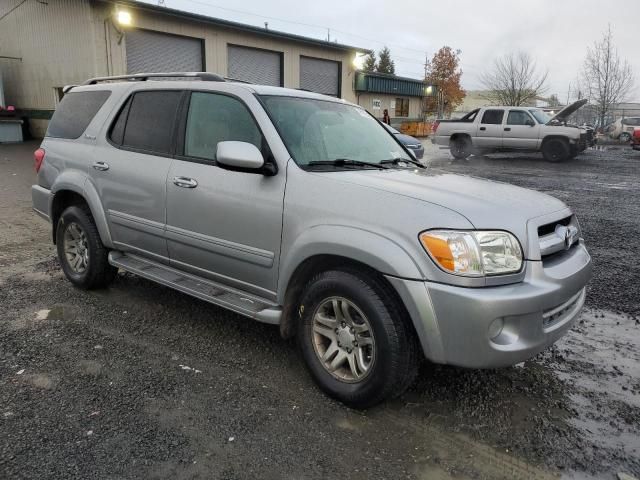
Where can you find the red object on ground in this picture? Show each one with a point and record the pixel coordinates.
(635, 139)
(38, 158)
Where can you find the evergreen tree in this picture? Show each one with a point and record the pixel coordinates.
(370, 63)
(385, 64)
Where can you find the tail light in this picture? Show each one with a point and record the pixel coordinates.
(38, 158)
(434, 129)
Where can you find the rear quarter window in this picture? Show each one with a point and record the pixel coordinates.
(75, 112)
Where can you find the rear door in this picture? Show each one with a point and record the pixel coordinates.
(221, 224)
(130, 167)
(489, 133)
(520, 130)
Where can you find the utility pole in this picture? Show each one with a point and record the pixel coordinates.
(424, 89)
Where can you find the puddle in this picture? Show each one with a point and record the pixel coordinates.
(601, 361)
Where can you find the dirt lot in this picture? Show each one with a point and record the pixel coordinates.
(139, 381)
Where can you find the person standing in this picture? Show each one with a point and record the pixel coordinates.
(385, 117)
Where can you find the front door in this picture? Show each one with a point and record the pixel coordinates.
(221, 224)
(130, 171)
(490, 129)
(520, 130)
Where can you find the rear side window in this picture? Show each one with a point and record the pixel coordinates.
(493, 117)
(147, 120)
(75, 112)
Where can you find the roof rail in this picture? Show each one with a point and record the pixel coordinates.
(231, 79)
(142, 77)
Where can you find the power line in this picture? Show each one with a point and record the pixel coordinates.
(321, 27)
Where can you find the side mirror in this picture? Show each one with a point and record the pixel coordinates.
(531, 123)
(239, 155)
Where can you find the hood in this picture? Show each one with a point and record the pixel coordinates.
(486, 204)
(407, 139)
(563, 114)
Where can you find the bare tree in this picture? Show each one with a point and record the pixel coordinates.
(607, 78)
(514, 80)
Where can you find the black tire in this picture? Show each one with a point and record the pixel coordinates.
(460, 148)
(97, 273)
(556, 150)
(395, 363)
(625, 137)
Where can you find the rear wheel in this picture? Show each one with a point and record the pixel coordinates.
(625, 137)
(354, 338)
(82, 255)
(556, 150)
(460, 147)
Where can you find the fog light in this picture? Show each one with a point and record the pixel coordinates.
(495, 329)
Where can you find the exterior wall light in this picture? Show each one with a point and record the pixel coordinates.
(358, 61)
(123, 18)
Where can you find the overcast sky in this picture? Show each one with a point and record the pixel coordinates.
(555, 32)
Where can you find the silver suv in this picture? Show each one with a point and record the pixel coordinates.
(303, 211)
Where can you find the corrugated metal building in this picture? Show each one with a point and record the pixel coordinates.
(46, 46)
(400, 96)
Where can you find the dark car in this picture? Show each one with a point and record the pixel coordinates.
(411, 143)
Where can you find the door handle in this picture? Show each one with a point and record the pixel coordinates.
(101, 166)
(483, 128)
(508, 129)
(185, 182)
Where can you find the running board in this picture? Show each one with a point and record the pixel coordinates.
(249, 305)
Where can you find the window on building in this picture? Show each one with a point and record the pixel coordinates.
(147, 120)
(402, 107)
(215, 118)
(518, 117)
(75, 112)
(493, 117)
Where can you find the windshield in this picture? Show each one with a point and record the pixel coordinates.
(540, 115)
(324, 131)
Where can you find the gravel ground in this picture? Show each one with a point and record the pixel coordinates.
(139, 381)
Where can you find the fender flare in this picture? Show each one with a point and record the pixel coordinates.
(369, 248)
(78, 182)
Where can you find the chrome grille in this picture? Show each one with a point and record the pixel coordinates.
(558, 236)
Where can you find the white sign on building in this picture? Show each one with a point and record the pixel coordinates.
(377, 103)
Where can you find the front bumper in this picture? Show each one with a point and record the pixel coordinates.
(458, 325)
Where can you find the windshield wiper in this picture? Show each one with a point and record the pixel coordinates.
(395, 161)
(342, 162)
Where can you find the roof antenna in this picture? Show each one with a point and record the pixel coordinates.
(266, 25)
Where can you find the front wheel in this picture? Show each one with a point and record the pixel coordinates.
(355, 339)
(625, 137)
(556, 150)
(82, 255)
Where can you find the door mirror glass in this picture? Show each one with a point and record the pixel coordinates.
(239, 155)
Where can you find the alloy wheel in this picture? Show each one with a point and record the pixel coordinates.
(76, 248)
(343, 339)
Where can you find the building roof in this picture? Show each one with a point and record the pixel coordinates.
(375, 82)
(134, 4)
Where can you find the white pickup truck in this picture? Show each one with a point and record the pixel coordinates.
(493, 129)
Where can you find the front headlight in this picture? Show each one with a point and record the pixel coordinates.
(473, 254)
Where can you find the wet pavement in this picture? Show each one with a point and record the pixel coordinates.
(139, 381)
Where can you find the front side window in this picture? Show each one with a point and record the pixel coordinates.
(215, 118)
(147, 120)
(323, 131)
(540, 115)
(493, 117)
(518, 117)
(402, 107)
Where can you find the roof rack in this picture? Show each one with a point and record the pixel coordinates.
(143, 77)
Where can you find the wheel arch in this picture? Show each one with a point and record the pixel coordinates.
(77, 191)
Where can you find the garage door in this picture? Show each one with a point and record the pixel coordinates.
(149, 51)
(322, 76)
(256, 66)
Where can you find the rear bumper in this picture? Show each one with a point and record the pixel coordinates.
(41, 201)
(503, 325)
